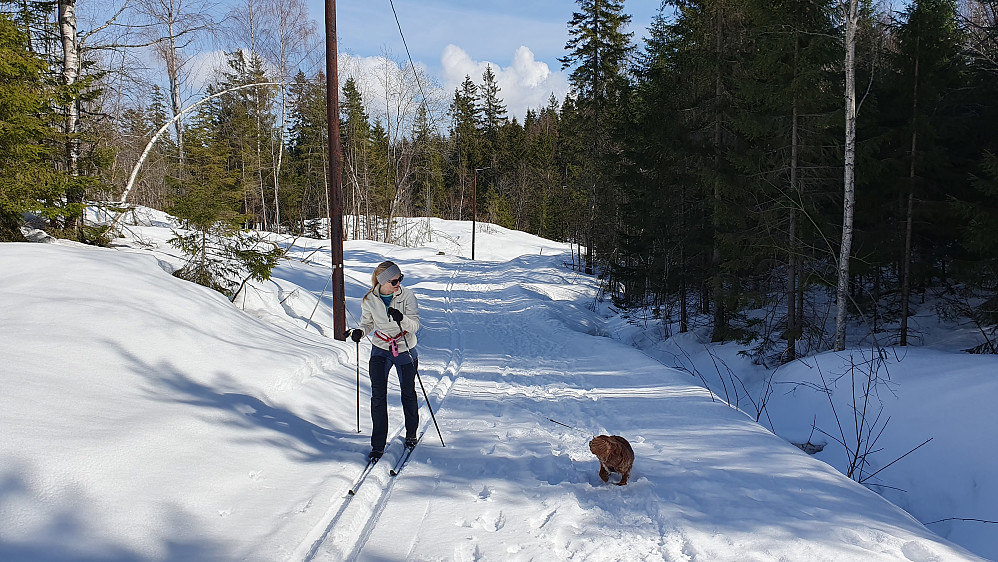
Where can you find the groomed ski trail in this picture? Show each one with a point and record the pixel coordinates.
(347, 524)
(516, 372)
(525, 347)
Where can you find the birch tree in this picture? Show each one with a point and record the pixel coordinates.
(70, 74)
(173, 26)
(849, 175)
(287, 45)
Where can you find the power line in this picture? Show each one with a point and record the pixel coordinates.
(404, 44)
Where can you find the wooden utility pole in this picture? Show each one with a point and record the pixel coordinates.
(335, 193)
(474, 214)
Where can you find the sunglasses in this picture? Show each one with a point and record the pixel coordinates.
(395, 282)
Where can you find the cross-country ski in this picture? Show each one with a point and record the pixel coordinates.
(363, 476)
(402, 460)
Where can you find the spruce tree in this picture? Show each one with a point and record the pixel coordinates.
(927, 83)
(971, 265)
(493, 113)
(218, 253)
(546, 217)
(305, 170)
(428, 153)
(27, 180)
(248, 124)
(659, 227)
(598, 48)
(705, 45)
(466, 154)
(356, 145)
(783, 109)
(382, 182)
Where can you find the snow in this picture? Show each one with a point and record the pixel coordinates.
(144, 417)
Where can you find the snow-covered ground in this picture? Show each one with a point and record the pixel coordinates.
(143, 417)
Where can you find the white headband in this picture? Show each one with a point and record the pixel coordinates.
(389, 274)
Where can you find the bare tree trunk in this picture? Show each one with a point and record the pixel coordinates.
(717, 287)
(906, 276)
(684, 314)
(284, 112)
(792, 328)
(252, 25)
(277, 170)
(590, 230)
(849, 188)
(460, 205)
(174, 24)
(173, 73)
(294, 33)
(156, 136)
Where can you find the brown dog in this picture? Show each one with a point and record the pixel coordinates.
(614, 454)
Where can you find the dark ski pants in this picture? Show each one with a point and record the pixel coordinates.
(382, 362)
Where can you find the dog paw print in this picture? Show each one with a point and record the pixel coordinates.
(491, 523)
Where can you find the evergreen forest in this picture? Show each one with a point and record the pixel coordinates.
(749, 165)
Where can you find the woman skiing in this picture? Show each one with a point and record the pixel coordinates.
(391, 316)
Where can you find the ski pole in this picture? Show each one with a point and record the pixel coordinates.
(358, 386)
(420, 379)
(568, 426)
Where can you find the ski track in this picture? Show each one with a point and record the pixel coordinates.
(517, 370)
(346, 527)
(495, 406)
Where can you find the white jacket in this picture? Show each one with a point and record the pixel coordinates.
(375, 317)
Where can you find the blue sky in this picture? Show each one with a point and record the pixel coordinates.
(521, 39)
(485, 29)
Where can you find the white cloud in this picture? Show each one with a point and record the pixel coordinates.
(389, 89)
(525, 84)
(205, 68)
(374, 77)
